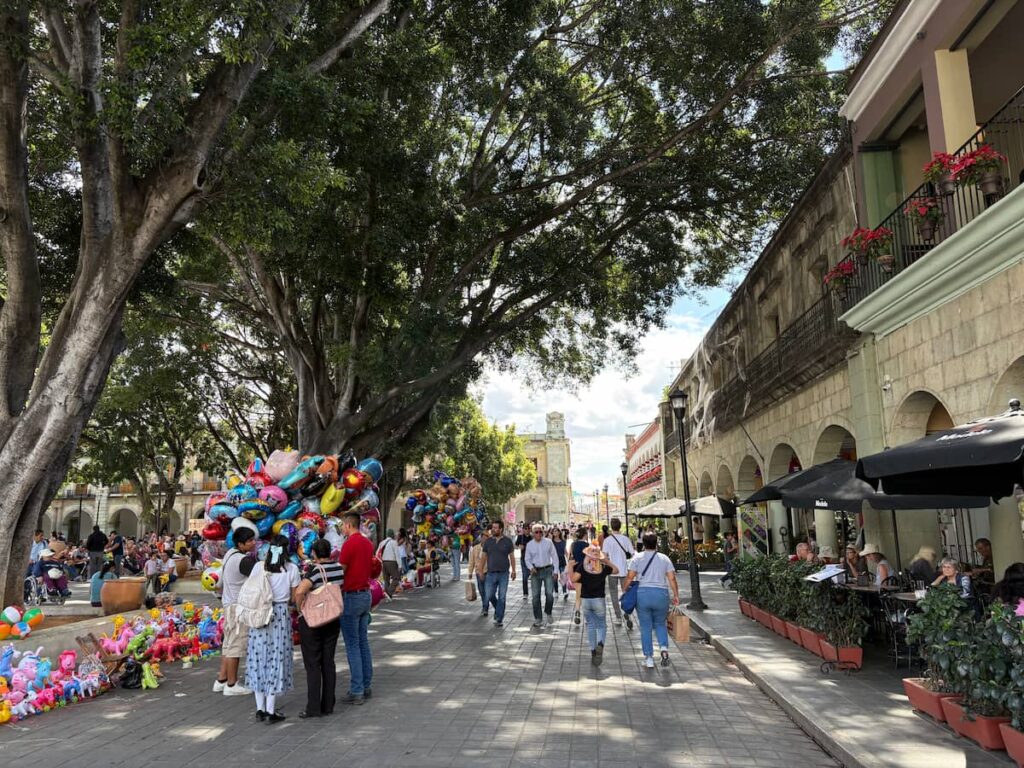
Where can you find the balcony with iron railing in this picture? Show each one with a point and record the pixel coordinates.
(958, 205)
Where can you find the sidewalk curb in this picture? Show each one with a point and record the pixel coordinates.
(803, 718)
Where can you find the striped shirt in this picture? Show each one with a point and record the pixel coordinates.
(333, 571)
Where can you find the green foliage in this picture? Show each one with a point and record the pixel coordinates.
(462, 442)
(942, 620)
(1008, 630)
(845, 617)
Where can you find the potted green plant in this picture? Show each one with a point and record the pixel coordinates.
(941, 620)
(939, 173)
(1010, 626)
(983, 167)
(980, 672)
(791, 589)
(813, 599)
(742, 568)
(838, 278)
(926, 214)
(776, 600)
(845, 624)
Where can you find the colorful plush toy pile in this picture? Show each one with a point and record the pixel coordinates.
(301, 497)
(449, 508)
(36, 685)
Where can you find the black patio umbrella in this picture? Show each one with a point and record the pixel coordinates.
(980, 458)
(772, 491)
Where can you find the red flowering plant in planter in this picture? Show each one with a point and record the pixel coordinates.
(840, 276)
(927, 214)
(983, 167)
(874, 244)
(939, 172)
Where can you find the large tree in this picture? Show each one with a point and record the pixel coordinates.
(532, 181)
(121, 107)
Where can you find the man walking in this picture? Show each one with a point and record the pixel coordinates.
(238, 563)
(619, 549)
(95, 545)
(356, 558)
(730, 548)
(522, 539)
(541, 558)
(387, 553)
(478, 569)
(455, 552)
(500, 556)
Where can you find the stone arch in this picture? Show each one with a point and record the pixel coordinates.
(920, 413)
(783, 458)
(75, 530)
(125, 521)
(835, 442)
(706, 487)
(1009, 386)
(724, 485)
(748, 478)
(46, 523)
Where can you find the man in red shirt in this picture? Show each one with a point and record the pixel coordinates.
(356, 558)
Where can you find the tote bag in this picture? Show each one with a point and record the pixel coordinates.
(324, 604)
(628, 599)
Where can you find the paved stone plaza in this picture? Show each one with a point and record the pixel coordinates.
(449, 689)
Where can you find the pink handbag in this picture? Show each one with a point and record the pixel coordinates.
(323, 604)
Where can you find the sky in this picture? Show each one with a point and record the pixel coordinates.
(598, 417)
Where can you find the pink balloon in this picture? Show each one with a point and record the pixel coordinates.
(376, 592)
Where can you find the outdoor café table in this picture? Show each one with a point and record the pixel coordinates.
(872, 589)
(907, 597)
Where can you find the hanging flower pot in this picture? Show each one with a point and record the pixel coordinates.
(886, 262)
(939, 173)
(991, 184)
(983, 168)
(946, 185)
(926, 229)
(837, 278)
(927, 213)
(840, 290)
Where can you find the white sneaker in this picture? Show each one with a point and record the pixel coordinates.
(649, 662)
(618, 622)
(236, 690)
(218, 686)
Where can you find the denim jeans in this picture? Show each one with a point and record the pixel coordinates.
(354, 622)
(652, 610)
(614, 586)
(497, 585)
(544, 577)
(456, 564)
(526, 575)
(597, 624)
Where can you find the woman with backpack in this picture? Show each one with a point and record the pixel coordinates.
(269, 660)
(656, 577)
(319, 642)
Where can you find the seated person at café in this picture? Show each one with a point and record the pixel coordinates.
(983, 576)
(1010, 590)
(949, 573)
(922, 566)
(805, 553)
(882, 568)
(854, 564)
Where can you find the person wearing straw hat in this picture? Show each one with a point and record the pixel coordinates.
(592, 576)
(882, 568)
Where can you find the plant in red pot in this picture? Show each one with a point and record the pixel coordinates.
(845, 624)
(981, 670)
(941, 619)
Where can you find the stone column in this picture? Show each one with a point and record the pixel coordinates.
(1005, 531)
(825, 529)
(777, 519)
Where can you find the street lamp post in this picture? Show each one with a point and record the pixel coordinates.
(678, 399)
(607, 507)
(625, 494)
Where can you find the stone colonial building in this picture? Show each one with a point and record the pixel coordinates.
(551, 500)
(793, 374)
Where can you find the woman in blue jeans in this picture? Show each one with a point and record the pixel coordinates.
(657, 580)
(592, 577)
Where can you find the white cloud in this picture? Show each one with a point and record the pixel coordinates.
(597, 417)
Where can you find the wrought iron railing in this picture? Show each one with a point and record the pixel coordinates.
(960, 204)
(810, 346)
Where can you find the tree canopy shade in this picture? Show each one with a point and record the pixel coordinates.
(535, 180)
(461, 442)
(401, 191)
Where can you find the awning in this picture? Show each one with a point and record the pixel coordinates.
(980, 458)
(660, 508)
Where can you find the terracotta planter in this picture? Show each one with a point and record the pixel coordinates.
(847, 656)
(991, 184)
(744, 607)
(809, 640)
(1014, 741)
(762, 617)
(181, 566)
(121, 595)
(793, 631)
(886, 262)
(982, 730)
(924, 700)
(779, 626)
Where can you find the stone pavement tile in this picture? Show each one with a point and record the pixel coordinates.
(450, 691)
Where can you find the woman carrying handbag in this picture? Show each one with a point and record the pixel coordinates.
(318, 598)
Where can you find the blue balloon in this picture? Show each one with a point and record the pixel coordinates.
(265, 525)
(226, 510)
(242, 492)
(262, 550)
(410, 503)
(289, 512)
(372, 467)
(229, 542)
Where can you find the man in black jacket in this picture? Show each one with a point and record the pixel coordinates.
(96, 544)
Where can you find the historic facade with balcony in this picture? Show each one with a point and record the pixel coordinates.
(551, 499)
(924, 332)
(645, 476)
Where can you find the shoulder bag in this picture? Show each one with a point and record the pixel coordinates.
(323, 604)
(628, 599)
